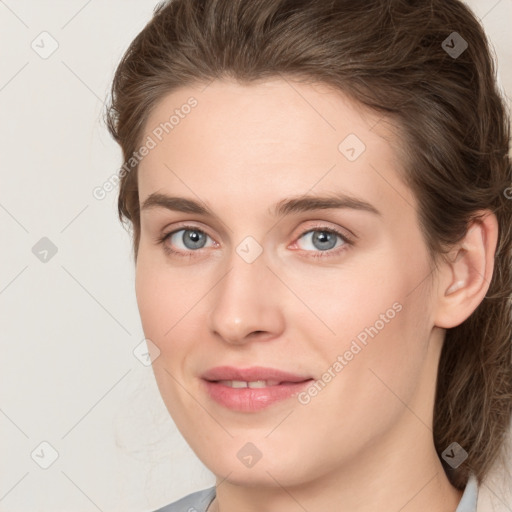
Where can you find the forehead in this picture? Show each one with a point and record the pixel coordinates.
(254, 144)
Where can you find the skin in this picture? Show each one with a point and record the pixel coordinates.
(365, 442)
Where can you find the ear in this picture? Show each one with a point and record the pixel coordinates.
(466, 275)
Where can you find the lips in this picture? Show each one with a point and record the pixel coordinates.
(251, 389)
(253, 374)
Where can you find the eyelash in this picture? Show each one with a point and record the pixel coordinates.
(347, 242)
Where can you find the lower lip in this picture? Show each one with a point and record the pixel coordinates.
(253, 399)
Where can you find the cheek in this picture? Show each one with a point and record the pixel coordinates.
(157, 299)
(359, 301)
(151, 302)
(379, 315)
(167, 299)
(161, 307)
(393, 360)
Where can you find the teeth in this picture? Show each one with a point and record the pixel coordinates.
(244, 384)
(238, 384)
(257, 384)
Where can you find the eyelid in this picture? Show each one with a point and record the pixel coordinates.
(313, 224)
(348, 242)
(186, 226)
(318, 225)
(348, 239)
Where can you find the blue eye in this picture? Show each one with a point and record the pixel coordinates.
(323, 239)
(192, 239)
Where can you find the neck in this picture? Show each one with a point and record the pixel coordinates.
(400, 488)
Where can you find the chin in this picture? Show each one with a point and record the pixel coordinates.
(264, 472)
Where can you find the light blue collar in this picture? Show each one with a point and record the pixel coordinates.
(469, 498)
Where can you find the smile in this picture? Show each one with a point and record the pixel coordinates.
(252, 384)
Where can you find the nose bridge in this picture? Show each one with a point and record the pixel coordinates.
(245, 300)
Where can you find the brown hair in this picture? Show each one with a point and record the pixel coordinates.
(400, 58)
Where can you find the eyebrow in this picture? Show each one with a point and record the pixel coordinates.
(282, 208)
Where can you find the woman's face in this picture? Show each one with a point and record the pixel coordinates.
(261, 279)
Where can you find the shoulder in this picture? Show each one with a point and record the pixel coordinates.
(196, 502)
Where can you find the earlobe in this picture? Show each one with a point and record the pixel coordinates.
(465, 279)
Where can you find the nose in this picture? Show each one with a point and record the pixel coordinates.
(246, 303)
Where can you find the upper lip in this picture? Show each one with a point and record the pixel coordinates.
(251, 374)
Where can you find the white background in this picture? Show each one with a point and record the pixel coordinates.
(68, 375)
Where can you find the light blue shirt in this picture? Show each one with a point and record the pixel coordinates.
(199, 501)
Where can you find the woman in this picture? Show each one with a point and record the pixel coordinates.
(319, 197)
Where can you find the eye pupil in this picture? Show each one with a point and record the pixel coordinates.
(324, 236)
(194, 237)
